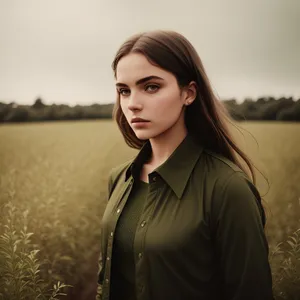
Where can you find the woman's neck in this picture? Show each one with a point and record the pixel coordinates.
(165, 144)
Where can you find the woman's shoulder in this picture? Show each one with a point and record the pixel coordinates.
(218, 162)
(221, 173)
(119, 170)
(229, 184)
(115, 174)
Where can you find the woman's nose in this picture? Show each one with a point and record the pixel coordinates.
(134, 103)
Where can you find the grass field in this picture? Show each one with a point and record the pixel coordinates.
(55, 174)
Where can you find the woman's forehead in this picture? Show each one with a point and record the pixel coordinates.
(135, 66)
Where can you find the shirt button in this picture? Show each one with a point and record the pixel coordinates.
(143, 223)
(140, 255)
(107, 280)
(118, 211)
(107, 258)
(111, 234)
(154, 178)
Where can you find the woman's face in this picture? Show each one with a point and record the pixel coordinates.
(150, 93)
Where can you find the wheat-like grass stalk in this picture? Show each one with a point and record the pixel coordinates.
(286, 269)
(19, 264)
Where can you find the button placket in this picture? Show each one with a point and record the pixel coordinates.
(139, 248)
(122, 196)
(123, 199)
(118, 211)
(139, 244)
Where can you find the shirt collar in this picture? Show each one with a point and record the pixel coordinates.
(176, 170)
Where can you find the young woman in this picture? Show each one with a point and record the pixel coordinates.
(184, 219)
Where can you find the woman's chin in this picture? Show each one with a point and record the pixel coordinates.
(143, 135)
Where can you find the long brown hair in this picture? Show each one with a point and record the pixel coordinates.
(206, 118)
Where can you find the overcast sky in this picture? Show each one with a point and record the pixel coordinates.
(61, 50)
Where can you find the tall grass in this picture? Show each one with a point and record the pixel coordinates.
(53, 185)
(285, 265)
(19, 263)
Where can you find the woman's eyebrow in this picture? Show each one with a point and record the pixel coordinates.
(142, 80)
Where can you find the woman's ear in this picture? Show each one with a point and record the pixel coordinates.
(190, 93)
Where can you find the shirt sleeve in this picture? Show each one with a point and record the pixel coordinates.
(241, 245)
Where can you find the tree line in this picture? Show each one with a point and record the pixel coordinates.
(264, 108)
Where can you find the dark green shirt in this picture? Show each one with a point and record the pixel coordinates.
(200, 234)
(122, 264)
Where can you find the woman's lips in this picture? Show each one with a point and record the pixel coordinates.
(139, 120)
(140, 124)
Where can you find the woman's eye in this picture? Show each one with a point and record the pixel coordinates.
(152, 88)
(124, 92)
